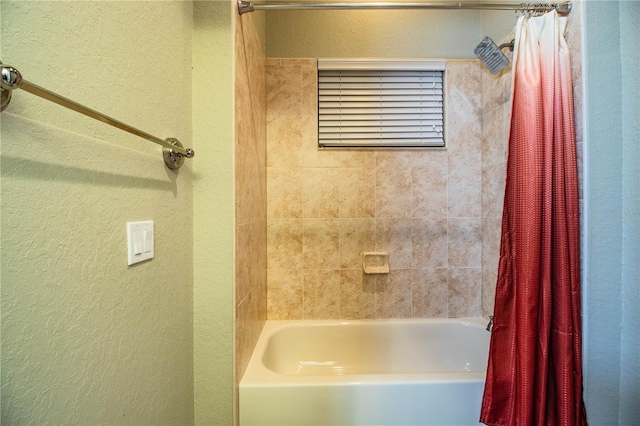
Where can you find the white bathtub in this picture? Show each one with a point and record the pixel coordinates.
(368, 372)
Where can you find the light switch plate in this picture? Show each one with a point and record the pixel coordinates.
(139, 241)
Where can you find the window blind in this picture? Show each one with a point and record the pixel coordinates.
(394, 107)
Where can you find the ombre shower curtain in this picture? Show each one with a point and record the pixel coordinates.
(534, 375)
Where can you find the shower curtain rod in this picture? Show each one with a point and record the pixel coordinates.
(173, 152)
(562, 8)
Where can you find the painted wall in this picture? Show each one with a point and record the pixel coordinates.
(87, 339)
(372, 33)
(213, 211)
(498, 23)
(630, 118)
(613, 218)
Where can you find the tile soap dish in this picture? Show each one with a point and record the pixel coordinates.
(375, 262)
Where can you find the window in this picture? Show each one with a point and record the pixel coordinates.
(378, 103)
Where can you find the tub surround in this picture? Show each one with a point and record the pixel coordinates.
(326, 207)
(250, 190)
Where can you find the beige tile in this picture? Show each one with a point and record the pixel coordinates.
(284, 96)
(493, 138)
(258, 253)
(356, 189)
(393, 193)
(322, 294)
(357, 295)
(244, 127)
(356, 236)
(251, 186)
(299, 61)
(309, 97)
(506, 119)
(394, 158)
(250, 318)
(284, 141)
(284, 294)
(429, 191)
(489, 278)
(464, 76)
(577, 109)
(493, 181)
(407, 158)
(465, 144)
(284, 244)
(312, 155)
(243, 261)
(495, 88)
(463, 99)
(321, 244)
(465, 192)
(429, 242)
(573, 37)
(360, 158)
(285, 192)
(465, 242)
(490, 259)
(393, 294)
(430, 293)
(394, 236)
(320, 196)
(491, 233)
(250, 258)
(465, 292)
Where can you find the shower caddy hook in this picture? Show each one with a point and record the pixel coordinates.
(173, 152)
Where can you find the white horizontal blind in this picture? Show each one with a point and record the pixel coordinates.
(380, 108)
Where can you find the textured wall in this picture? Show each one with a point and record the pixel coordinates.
(630, 339)
(213, 211)
(325, 207)
(612, 206)
(373, 33)
(251, 190)
(85, 338)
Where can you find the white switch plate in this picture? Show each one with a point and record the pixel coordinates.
(139, 241)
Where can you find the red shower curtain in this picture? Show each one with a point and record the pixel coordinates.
(534, 375)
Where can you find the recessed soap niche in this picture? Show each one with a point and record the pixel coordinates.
(375, 262)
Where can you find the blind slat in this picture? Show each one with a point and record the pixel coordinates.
(380, 108)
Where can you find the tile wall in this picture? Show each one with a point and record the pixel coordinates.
(251, 191)
(325, 207)
(496, 116)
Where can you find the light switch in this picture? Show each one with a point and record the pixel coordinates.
(139, 241)
(148, 241)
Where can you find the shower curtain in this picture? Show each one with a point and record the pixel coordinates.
(534, 375)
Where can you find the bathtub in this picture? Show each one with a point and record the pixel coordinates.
(366, 372)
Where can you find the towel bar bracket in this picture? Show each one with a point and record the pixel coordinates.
(173, 152)
(174, 159)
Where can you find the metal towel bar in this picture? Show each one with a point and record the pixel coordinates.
(173, 152)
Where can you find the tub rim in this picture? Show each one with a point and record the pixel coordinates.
(258, 375)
